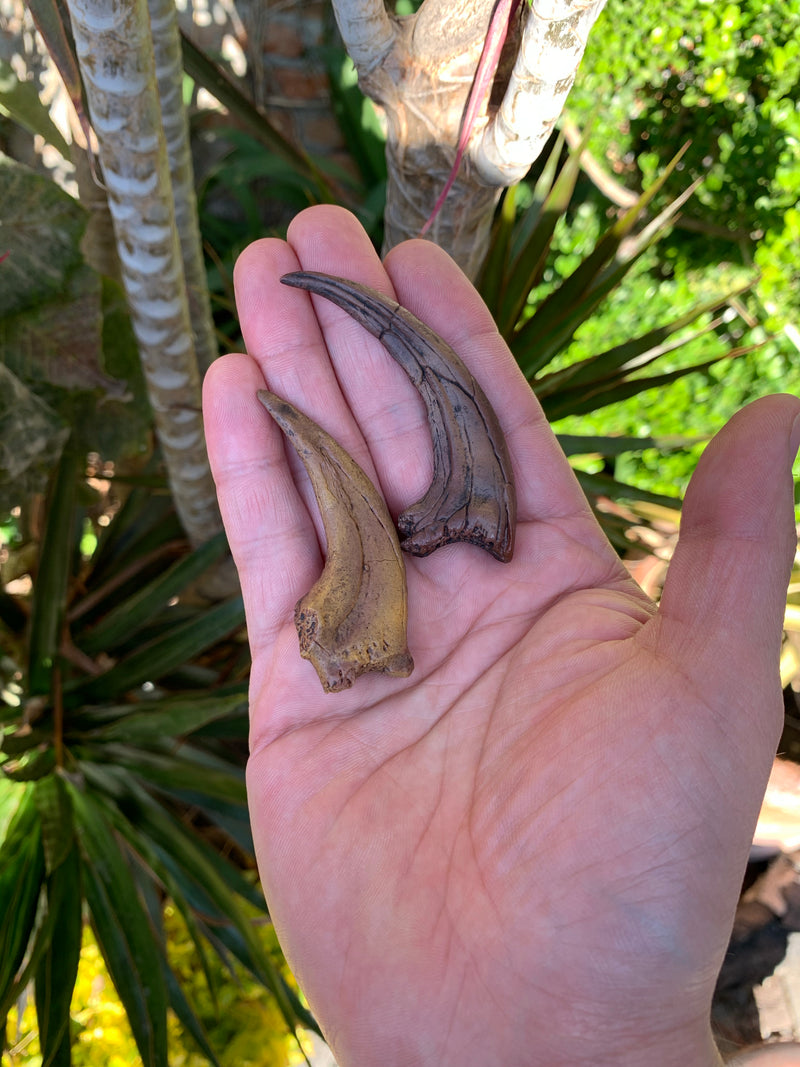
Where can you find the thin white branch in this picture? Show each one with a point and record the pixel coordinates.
(367, 32)
(175, 123)
(553, 42)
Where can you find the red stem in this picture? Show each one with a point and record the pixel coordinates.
(502, 16)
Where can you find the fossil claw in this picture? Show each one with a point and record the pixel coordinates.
(353, 619)
(471, 497)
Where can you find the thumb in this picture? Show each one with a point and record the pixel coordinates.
(723, 602)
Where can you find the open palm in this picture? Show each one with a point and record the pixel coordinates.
(529, 851)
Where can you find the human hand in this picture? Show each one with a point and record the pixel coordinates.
(530, 850)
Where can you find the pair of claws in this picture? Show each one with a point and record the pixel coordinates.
(353, 619)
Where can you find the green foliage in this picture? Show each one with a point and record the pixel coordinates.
(125, 764)
(20, 100)
(244, 1026)
(203, 70)
(123, 718)
(259, 179)
(721, 80)
(725, 78)
(68, 358)
(579, 301)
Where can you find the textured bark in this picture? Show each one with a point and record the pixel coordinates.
(116, 57)
(422, 82)
(175, 122)
(552, 46)
(420, 69)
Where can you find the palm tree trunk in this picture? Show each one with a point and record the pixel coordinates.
(175, 120)
(115, 52)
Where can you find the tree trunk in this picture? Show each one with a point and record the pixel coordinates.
(115, 52)
(175, 120)
(420, 70)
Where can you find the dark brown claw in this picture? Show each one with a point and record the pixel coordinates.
(471, 497)
(353, 619)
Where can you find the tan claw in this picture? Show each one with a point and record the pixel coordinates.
(471, 497)
(353, 619)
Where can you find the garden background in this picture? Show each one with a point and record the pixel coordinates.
(642, 321)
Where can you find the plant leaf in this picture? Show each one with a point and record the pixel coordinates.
(182, 850)
(580, 401)
(123, 931)
(20, 102)
(528, 266)
(578, 445)
(206, 73)
(131, 533)
(50, 589)
(595, 485)
(493, 277)
(631, 354)
(192, 769)
(358, 120)
(139, 608)
(31, 439)
(541, 190)
(155, 659)
(42, 228)
(196, 874)
(122, 790)
(57, 970)
(179, 1003)
(53, 24)
(32, 767)
(21, 876)
(549, 342)
(55, 816)
(151, 722)
(559, 314)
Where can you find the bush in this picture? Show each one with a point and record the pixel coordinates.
(724, 77)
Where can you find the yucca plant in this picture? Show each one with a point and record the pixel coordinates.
(540, 322)
(127, 756)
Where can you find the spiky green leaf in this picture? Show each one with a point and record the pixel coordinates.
(558, 316)
(178, 717)
(206, 73)
(57, 969)
(145, 529)
(192, 769)
(603, 485)
(128, 617)
(586, 445)
(123, 931)
(21, 877)
(580, 401)
(179, 843)
(635, 353)
(194, 874)
(55, 815)
(164, 654)
(493, 280)
(20, 102)
(50, 589)
(528, 266)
